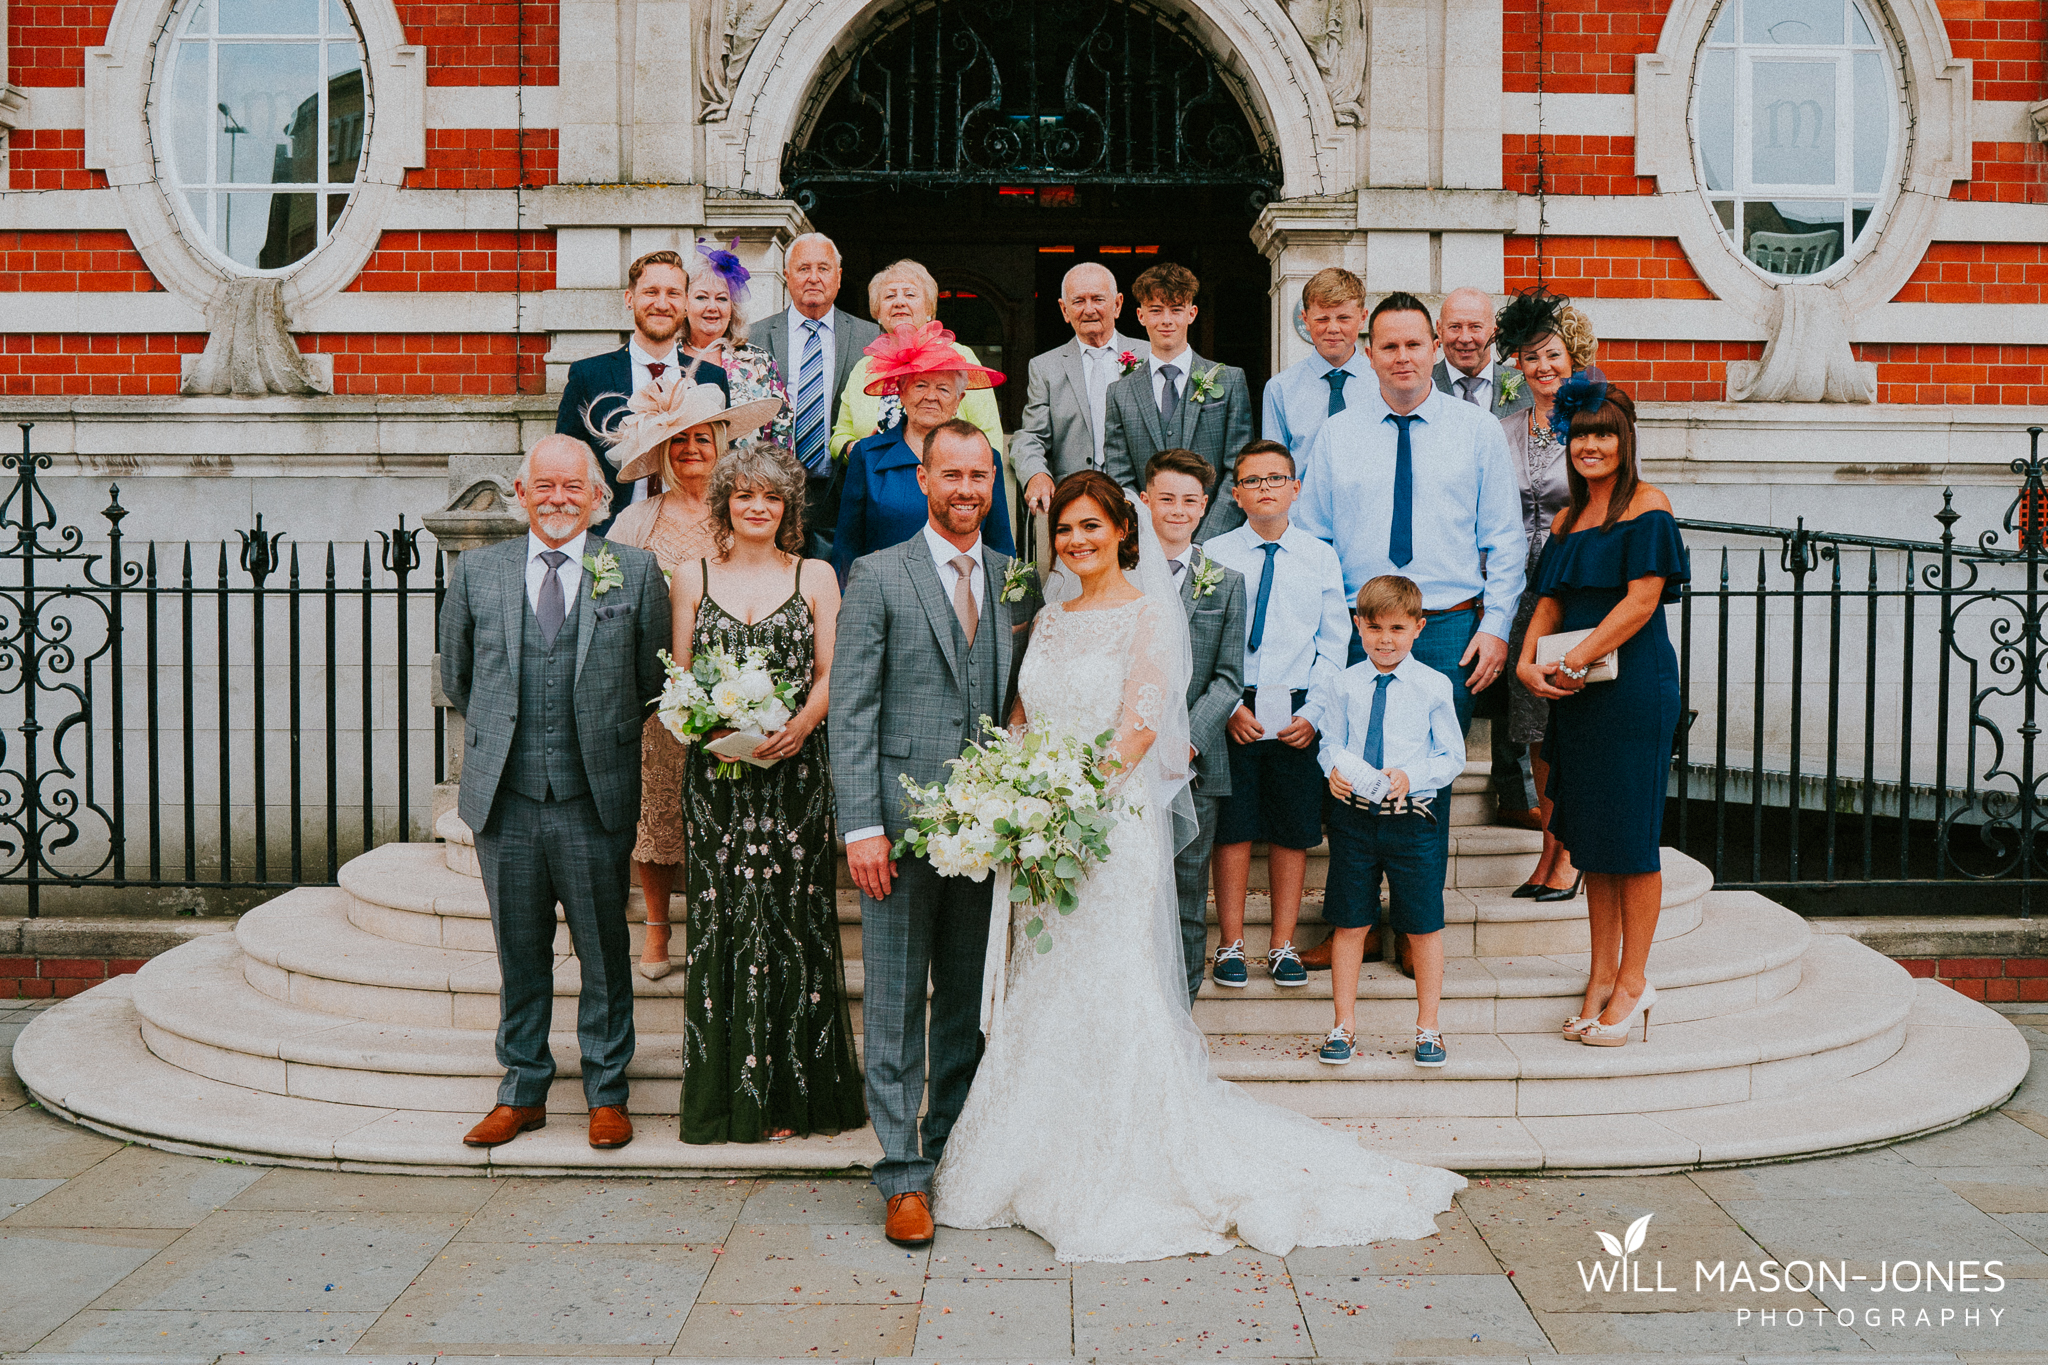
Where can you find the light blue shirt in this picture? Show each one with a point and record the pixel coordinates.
(1419, 732)
(1466, 503)
(1297, 400)
(1308, 620)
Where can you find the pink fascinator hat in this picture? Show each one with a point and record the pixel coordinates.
(895, 356)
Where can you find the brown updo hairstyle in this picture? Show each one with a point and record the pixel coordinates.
(1103, 491)
(1615, 417)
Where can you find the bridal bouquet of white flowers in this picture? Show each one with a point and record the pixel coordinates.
(719, 692)
(1040, 808)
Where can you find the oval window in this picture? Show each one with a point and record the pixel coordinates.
(1795, 119)
(264, 123)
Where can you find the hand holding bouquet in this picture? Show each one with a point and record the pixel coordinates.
(719, 692)
(1040, 807)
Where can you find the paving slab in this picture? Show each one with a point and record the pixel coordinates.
(2031, 1226)
(1382, 1316)
(980, 1319)
(1641, 1336)
(36, 1146)
(264, 1261)
(524, 1209)
(842, 1331)
(139, 1187)
(2015, 1319)
(485, 1298)
(1860, 1175)
(814, 1263)
(1916, 1227)
(52, 1274)
(1998, 1189)
(1457, 1249)
(814, 1201)
(308, 1191)
(1240, 1303)
(98, 1335)
(1992, 1140)
(994, 1254)
(16, 1195)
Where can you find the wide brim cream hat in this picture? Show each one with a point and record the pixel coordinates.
(636, 438)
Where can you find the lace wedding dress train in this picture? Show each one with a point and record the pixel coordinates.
(1095, 1119)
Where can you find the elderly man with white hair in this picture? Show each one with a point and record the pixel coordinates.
(550, 649)
(1467, 369)
(1067, 392)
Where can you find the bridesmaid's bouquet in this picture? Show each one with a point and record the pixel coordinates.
(1037, 807)
(719, 692)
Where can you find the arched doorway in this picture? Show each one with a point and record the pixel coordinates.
(1003, 142)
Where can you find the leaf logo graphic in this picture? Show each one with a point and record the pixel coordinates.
(1630, 1241)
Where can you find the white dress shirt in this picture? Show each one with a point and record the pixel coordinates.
(1099, 368)
(827, 342)
(571, 571)
(944, 552)
(1466, 502)
(1182, 363)
(1308, 620)
(1419, 731)
(1297, 400)
(640, 361)
(1482, 384)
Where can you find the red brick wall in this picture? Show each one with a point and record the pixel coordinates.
(2003, 39)
(486, 159)
(39, 978)
(2005, 173)
(1910, 373)
(127, 364)
(1985, 978)
(1573, 165)
(479, 42)
(458, 263)
(71, 262)
(50, 159)
(1606, 267)
(1590, 46)
(46, 43)
(1979, 272)
(1674, 371)
(433, 363)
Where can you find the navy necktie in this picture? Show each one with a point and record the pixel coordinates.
(553, 608)
(1169, 397)
(1401, 534)
(1271, 547)
(1376, 727)
(1335, 379)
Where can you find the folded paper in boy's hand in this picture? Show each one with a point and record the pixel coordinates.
(1368, 784)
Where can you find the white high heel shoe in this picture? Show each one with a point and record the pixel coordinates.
(1576, 1026)
(1616, 1034)
(653, 971)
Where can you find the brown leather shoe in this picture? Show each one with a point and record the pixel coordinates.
(609, 1126)
(1317, 959)
(910, 1220)
(503, 1124)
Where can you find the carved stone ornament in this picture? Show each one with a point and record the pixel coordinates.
(1335, 33)
(13, 104)
(250, 352)
(1808, 359)
(731, 29)
(2037, 114)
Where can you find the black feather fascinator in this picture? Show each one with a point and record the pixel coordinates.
(1527, 318)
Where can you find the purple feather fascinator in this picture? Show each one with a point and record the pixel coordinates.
(1583, 392)
(727, 267)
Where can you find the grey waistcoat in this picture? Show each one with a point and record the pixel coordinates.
(983, 695)
(545, 755)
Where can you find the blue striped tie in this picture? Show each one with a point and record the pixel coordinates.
(810, 403)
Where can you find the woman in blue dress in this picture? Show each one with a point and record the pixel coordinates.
(882, 504)
(1614, 560)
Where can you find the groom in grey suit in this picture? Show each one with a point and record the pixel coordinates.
(548, 649)
(1066, 399)
(924, 650)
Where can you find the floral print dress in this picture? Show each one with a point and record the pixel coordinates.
(767, 1036)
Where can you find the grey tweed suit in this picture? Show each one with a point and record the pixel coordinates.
(1501, 407)
(1215, 689)
(1216, 430)
(1057, 437)
(574, 850)
(900, 708)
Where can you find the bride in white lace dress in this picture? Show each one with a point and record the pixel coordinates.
(1096, 1119)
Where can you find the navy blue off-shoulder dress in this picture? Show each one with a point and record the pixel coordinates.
(1609, 747)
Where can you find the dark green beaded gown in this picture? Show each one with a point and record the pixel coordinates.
(767, 1037)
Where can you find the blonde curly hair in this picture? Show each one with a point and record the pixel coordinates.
(1575, 330)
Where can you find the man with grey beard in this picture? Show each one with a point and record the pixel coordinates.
(549, 648)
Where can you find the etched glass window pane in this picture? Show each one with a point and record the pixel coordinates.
(338, 20)
(346, 112)
(1717, 119)
(1792, 237)
(1792, 23)
(267, 90)
(1859, 29)
(270, 16)
(1872, 102)
(1792, 123)
(190, 116)
(1724, 23)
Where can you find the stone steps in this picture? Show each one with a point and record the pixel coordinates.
(85, 1060)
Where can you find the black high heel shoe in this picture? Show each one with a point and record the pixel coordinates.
(1565, 893)
(1528, 891)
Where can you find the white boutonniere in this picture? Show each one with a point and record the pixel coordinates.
(1017, 581)
(1203, 387)
(1126, 362)
(1208, 577)
(1510, 385)
(605, 573)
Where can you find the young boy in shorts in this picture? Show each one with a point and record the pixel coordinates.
(1391, 744)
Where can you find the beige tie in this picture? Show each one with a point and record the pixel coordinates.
(963, 594)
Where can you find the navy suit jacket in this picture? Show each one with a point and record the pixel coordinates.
(603, 383)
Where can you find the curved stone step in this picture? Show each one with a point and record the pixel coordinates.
(85, 1060)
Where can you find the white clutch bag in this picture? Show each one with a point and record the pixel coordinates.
(1551, 649)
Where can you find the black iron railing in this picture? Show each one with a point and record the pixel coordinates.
(208, 716)
(1864, 712)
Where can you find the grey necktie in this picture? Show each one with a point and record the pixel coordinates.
(1179, 568)
(963, 595)
(1169, 397)
(553, 607)
(1468, 389)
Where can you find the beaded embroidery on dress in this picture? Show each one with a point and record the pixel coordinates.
(1093, 1121)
